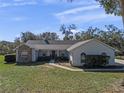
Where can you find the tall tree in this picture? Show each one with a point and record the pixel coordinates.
(89, 33)
(77, 36)
(67, 31)
(48, 36)
(115, 7)
(17, 41)
(110, 35)
(25, 36)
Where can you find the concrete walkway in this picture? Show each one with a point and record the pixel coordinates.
(67, 68)
(121, 62)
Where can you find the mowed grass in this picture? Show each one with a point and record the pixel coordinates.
(48, 79)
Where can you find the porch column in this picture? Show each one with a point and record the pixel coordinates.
(48, 53)
(57, 53)
(33, 55)
(17, 55)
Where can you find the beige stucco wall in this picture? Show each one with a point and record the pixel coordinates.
(91, 48)
(22, 59)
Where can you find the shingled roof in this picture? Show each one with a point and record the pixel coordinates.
(86, 41)
(52, 42)
(59, 44)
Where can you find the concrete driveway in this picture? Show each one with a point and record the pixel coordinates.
(119, 62)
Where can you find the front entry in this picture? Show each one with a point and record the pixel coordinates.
(53, 54)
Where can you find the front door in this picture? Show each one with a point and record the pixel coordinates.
(53, 54)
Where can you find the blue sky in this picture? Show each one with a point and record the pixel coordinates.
(39, 16)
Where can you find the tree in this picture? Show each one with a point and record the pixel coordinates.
(88, 34)
(114, 37)
(67, 31)
(78, 36)
(17, 41)
(110, 35)
(7, 47)
(115, 7)
(48, 36)
(25, 36)
(111, 6)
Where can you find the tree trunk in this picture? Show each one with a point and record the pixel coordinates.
(122, 7)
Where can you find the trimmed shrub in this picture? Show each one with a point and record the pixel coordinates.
(44, 58)
(62, 59)
(48, 58)
(10, 58)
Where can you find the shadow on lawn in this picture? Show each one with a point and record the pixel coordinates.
(9, 62)
(31, 64)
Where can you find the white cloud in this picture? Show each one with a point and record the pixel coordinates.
(74, 3)
(18, 0)
(84, 2)
(25, 3)
(24, 0)
(79, 14)
(54, 1)
(18, 3)
(82, 15)
(75, 30)
(5, 4)
(50, 1)
(77, 10)
(83, 18)
(19, 18)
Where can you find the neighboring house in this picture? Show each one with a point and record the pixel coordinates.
(34, 50)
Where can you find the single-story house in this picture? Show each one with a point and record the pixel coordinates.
(74, 50)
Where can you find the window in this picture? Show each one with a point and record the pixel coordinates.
(83, 57)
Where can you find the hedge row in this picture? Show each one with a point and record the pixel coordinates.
(10, 58)
(48, 58)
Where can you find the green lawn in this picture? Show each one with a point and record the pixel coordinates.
(48, 79)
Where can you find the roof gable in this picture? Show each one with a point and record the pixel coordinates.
(22, 45)
(87, 41)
